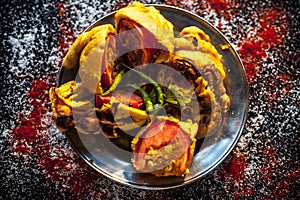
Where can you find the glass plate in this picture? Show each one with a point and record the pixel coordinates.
(114, 162)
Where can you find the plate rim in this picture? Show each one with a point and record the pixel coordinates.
(233, 142)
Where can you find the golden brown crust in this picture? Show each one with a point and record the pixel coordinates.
(71, 109)
(210, 89)
(178, 167)
(151, 19)
(165, 148)
(194, 46)
(61, 99)
(193, 38)
(194, 34)
(91, 59)
(71, 60)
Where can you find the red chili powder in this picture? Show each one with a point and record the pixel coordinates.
(222, 8)
(273, 167)
(253, 49)
(219, 26)
(269, 34)
(66, 35)
(78, 179)
(29, 125)
(236, 166)
(233, 171)
(21, 149)
(39, 88)
(218, 5)
(251, 69)
(27, 132)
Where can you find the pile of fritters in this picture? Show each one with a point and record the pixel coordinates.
(164, 143)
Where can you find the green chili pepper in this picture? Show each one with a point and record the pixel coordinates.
(160, 97)
(115, 84)
(145, 96)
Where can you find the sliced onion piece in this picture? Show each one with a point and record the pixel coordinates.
(108, 61)
(142, 46)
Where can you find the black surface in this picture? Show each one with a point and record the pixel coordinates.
(265, 162)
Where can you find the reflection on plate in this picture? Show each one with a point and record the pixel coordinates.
(112, 157)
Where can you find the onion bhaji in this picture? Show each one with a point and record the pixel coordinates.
(166, 132)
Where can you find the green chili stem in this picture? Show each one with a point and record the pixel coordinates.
(160, 97)
(115, 84)
(145, 96)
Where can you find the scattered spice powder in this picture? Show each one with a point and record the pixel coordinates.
(219, 6)
(31, 137)
(236, 166)
(66, 35)
(29, 126)
(254, 50)
(33, 134)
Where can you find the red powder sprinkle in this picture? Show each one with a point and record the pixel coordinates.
(227, 16)
(222, 8)
(39, 88)
(294, 174)
(233, 171)
(268, 150)
(253, 49)
(60, 6)
(236, 166)
(29, 125)
(24, 132)
(284, 77)
(64, 166)
(21, 149)
(203, 5)
(30, 131)
(60, 9)
(280, 188)
(271, 36)
(219, 5)
(52, 166)
(66, 35)
(219, 26)
(60, 169)
(268, 35)
(251, 69)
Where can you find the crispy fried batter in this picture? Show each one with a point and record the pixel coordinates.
(71, 59)
(193, 38)
(195, 53)
(61, 99)
(209, 87)
(91, 59)
(180, 166)
(164, 149)
(72, 109)
(151, 19)
(191, 53)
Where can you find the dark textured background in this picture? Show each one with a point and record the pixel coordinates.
(37, 162)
